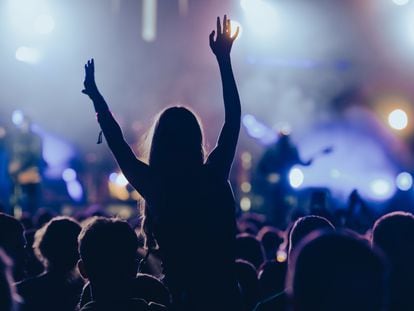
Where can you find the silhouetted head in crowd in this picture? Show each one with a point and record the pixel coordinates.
(248, 283)
(107, 250)
(177, 140)
(394, 235)
(306, 225)
(272, 276)
(271, 239)
(13, 242)
(56, 244)
(249, 248)
(336, 271)
(8, 296)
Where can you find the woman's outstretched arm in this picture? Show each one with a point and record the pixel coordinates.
(222, 155)
(134, 170)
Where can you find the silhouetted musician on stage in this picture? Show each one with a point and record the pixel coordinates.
(280, 158)
(25, 166)
(273, 170)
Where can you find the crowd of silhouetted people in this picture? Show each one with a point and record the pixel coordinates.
(191, 251)
(98, 262)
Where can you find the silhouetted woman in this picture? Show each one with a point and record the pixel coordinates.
(189, 203)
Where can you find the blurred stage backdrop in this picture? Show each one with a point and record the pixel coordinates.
(334, 74)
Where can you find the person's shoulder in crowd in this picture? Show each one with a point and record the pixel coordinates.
(124, 305)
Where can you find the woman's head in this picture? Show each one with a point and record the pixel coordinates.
(56, 244)
(177, 139)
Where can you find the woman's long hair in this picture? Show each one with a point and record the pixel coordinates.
(174, 144)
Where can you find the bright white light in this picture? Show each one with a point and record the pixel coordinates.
(406, 28)
(245, 4)
(149, 20)
(296, 177)
(17, 117)
(398, 119)
(234, 25)
(254, 128)
(75, 190)
(113, 176)
(404, 181)
(21, 14)
(27, 55)
(262, 16)
(69, 175)
(44, 24)
(245, 204)
(381, 188)
(121, 180)
(401, 2)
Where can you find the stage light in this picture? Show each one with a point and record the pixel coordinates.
(75, 190)
(29, 17)
(121, 180)
(44, 24)
(398, 119)
(149, 20)
(246, 4)
(281, 255)
(112, 177)
(17, 117)
(404, 181)
(69, 175)
(381, 188)
(246, 158)
(21, 14)
(234, 25)
(262, 16)
(254, 128)
(401, 2)
(258, 130)
(296, 177)
(246, 187)
(27, 55)
(118, 191)
(245, 204)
